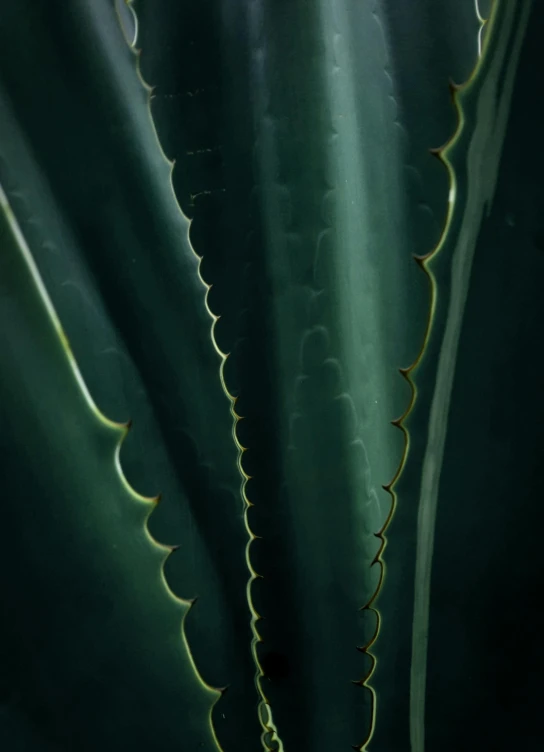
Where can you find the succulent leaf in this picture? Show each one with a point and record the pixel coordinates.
(247, 300)
(133, 256)
(92, 648)
(477, 487)
(309, 87)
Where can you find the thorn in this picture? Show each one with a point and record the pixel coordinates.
(453, 87)
(128, 425)
(157, 499)
(437, 152)
(192, 601)
(174, 548)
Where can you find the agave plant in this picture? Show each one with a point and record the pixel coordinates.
(209, 217)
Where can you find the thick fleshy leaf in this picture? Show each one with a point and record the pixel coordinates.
(92, 653)
(474, 482)
(91, 185)
(301, 134)
(298, 141)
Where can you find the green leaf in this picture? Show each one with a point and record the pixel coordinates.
(93, 655)
(291, 141)
(454, 455)
(301, 134)
(145, 340)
